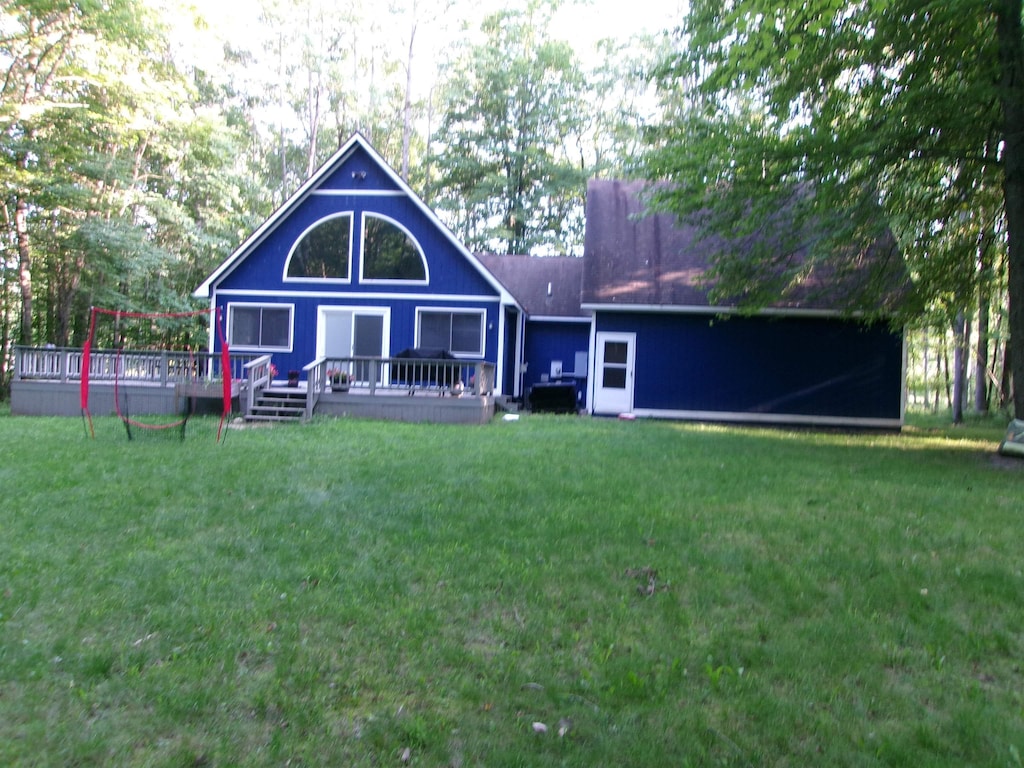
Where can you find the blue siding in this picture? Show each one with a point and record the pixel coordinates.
(359, 162)
(402, 332)
(449, 272)
(799, 366)
(547, 341)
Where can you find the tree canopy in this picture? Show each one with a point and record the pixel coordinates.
(513, 106)
(898, 112)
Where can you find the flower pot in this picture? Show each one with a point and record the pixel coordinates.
(293, 378)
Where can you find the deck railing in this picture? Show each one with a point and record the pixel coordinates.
(158, 367)
(379, 374)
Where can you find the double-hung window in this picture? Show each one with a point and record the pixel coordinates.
(260, 326)
(459, 332)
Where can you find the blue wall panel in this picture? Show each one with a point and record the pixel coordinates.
(547, 341)
(800, 366)
(448, 270)
(403, 323)
(359, 171)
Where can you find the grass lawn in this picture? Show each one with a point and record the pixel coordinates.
(353, 593)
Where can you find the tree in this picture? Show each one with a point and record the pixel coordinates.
(124, 185)
(55, 55)
(915, 110)
(512, 108)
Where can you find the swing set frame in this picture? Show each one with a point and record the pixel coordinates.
(120, 398)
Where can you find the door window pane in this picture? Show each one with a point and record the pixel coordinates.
(368, 342)
(615, 352)
(614, 378)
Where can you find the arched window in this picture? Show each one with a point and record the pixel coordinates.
(322, 252)
(390, 253)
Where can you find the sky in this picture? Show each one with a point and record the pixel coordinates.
(581, 22)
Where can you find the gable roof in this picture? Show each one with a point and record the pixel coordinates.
(314, 182)
(633, 258)
(545, 286)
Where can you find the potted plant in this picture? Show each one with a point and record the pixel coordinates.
(293, 378)
(339, 379)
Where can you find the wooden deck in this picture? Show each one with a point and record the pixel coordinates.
(47, 383)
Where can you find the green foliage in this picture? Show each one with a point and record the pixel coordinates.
(340, 592)
(889, 110)
(512, 108)
(131, 184)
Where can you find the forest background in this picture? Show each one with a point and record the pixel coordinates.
(140, 143)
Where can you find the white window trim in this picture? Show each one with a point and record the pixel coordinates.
(420, 311)
(412, 238)
(322, 280)
(255, 304)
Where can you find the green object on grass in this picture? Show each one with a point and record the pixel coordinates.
(1013, 443)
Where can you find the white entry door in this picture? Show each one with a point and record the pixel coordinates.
(613, 373)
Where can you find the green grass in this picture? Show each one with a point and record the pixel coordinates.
(337, 593)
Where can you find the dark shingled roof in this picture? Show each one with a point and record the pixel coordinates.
(546, 286)
(632, 258)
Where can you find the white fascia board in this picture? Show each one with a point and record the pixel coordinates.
(558, 319)
(455, 298)
(682, 309)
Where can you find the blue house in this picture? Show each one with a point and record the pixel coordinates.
(354, 265)
(357, 292)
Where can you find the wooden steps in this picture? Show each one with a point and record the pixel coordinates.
(279, 405)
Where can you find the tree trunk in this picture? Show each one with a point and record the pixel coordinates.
(927, 404)
(959, 367)
(407, 109)
(1005, 384)
(981, 357)
(24, 271)
(945, 372)
(1011, 61)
